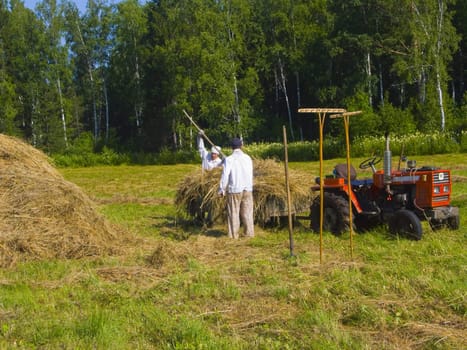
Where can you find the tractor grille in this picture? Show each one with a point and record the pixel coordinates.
(440, 199)
(441, 178)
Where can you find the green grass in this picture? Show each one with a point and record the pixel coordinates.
(181, 287)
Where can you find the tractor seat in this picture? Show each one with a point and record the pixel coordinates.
(340, 171)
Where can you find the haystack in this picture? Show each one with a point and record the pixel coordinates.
(197, 193)
(43, 216)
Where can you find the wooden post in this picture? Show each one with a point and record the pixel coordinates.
(321, 116)
(345, 117)
(287, 185)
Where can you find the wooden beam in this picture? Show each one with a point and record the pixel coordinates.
(321, 110)
(346, 114)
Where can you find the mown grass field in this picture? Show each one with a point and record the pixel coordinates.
(175, 286)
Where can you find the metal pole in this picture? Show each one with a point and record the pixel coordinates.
(287, 185)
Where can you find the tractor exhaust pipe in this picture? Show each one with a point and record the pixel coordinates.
(387, 160)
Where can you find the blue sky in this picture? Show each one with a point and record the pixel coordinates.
(80, 3)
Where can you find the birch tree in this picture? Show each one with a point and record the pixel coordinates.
(127, 61)
(458, 74)
(434, 34)
(7, 88)
(427, 44)
(58, 69)
(89, 37)
(192, 40)
(24, 51)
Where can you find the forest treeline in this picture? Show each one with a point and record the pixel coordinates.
(122, 74)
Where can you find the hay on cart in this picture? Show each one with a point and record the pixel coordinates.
(197, 196)
(43, 216)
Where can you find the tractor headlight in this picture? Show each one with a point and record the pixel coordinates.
(445, 188)
(436, 190)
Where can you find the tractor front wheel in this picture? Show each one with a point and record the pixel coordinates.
(335, 214)
(407, 224)
(453, 222)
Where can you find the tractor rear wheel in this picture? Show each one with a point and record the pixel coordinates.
(407, 224)
(335, 214)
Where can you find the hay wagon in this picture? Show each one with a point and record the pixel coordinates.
(198, 199)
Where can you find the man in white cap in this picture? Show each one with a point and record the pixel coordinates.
(209, 160)
(237, 183)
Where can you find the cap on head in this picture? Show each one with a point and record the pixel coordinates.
(216, 150)
(236, 143)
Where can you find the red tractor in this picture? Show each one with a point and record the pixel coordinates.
(401, 198)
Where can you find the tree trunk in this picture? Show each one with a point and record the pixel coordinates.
(62, 113)
(236, 109)
(107, 113)
(231, 54)
(422, 86)
(284, 90)
(461, 75)
(439, 89)
(138, 104)
(297, 79)
(368, 74)
(440, 99)
(381, 89)
(91, 79)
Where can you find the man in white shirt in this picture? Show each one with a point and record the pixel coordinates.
(237, 183)
(211, 160)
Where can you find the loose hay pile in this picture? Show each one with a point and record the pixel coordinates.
(197, 193)
(42, 215)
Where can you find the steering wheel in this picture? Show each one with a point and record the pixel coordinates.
(370, 162)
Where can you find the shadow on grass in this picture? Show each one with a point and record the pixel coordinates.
(214, 233)
(181, 229)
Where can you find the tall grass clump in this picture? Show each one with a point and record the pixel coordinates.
(297, 151)
(413, 144)
(169, 157)
(73, 158)
(463, 141)
(81, 154)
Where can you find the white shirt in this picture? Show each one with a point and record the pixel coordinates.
(206, 159)
(237, 175)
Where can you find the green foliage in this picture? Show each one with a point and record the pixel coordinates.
(395, 120)
(179, 157)
(81, 154)
(366, 123)
(7, 107)
(458, 122)
(239, 68)
(463, 141)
